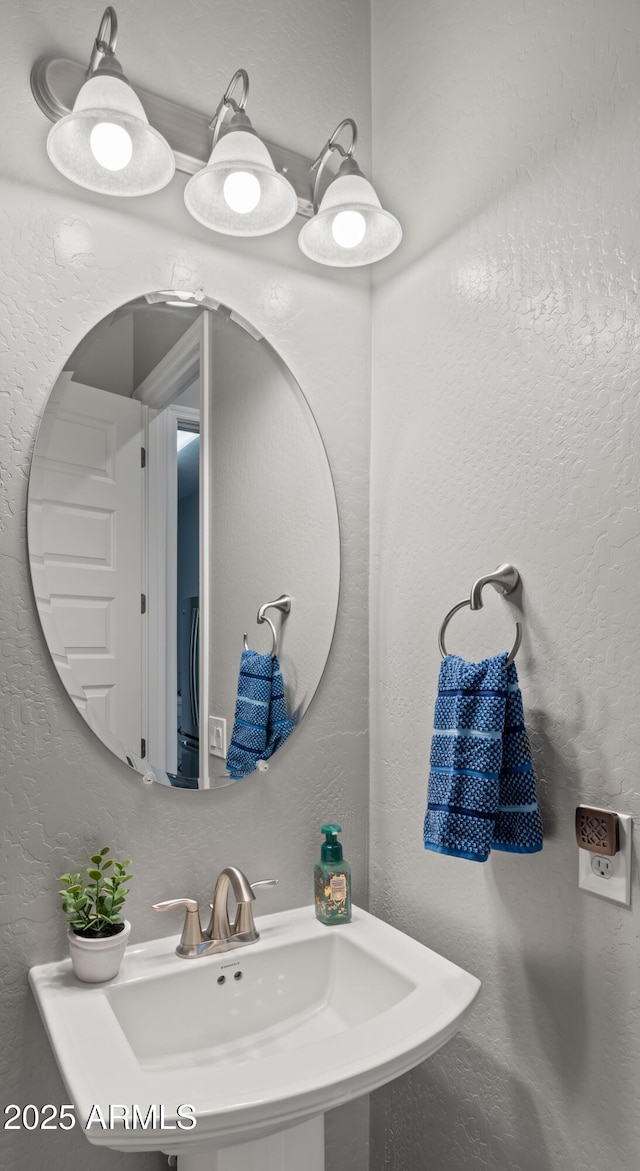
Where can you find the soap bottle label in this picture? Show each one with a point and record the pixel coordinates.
(338, 888)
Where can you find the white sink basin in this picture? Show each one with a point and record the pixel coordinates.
(306, 1018)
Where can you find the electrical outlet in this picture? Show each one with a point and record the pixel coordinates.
(603, 867)
(609, 877)
(217, 736)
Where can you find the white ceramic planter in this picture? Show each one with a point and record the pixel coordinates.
(96, 960)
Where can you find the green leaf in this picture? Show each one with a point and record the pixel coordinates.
(104, 850)
(96, 859)
(95, 874)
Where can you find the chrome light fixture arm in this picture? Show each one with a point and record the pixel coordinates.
(105, 42)
(331, 147)
(228, 107)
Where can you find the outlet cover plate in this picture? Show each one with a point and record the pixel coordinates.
(617, 887)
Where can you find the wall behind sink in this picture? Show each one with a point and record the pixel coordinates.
(505, 427)
(67, 258)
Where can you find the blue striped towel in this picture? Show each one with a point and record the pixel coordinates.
(261, 721)
(482, 785)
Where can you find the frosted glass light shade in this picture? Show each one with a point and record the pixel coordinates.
(350, 193)
(105, 99)
(240, 153)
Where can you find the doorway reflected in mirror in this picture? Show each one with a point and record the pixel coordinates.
(188, 609)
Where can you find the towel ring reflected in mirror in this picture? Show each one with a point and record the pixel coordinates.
(283, 603)
(454, 610)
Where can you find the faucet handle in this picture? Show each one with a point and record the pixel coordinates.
(253, 885)
(244, 913)
(169, 904)
(192, 929)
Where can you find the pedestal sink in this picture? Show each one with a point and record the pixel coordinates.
(258, 1042)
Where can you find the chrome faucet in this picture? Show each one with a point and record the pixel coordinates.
(219, 935)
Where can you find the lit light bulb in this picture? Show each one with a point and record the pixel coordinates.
(242, 191)
(348, 228)
(111, 146)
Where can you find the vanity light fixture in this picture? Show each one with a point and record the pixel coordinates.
(239, 192)
(349, 226)
(106, 143)
(241, 184)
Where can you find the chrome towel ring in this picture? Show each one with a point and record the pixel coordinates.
(504, 580)
(283, 603)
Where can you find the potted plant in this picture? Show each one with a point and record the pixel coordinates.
(97, 933)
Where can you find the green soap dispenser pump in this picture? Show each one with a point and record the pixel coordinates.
(332, 880)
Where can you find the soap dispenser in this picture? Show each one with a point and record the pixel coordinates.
(332, 880)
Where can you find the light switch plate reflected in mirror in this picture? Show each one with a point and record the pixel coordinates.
(218, 736)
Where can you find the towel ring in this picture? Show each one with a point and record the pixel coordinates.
(454, 610)
(283, 603)
(504, 580)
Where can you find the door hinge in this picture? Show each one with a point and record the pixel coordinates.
(143, 457)
(143, 748)
(143, 603)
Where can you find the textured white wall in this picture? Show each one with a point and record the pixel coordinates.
(67, 259)
(505, 426)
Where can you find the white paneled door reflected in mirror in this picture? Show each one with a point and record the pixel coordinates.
(179, 482)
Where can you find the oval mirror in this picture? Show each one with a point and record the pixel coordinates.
(179, 487)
